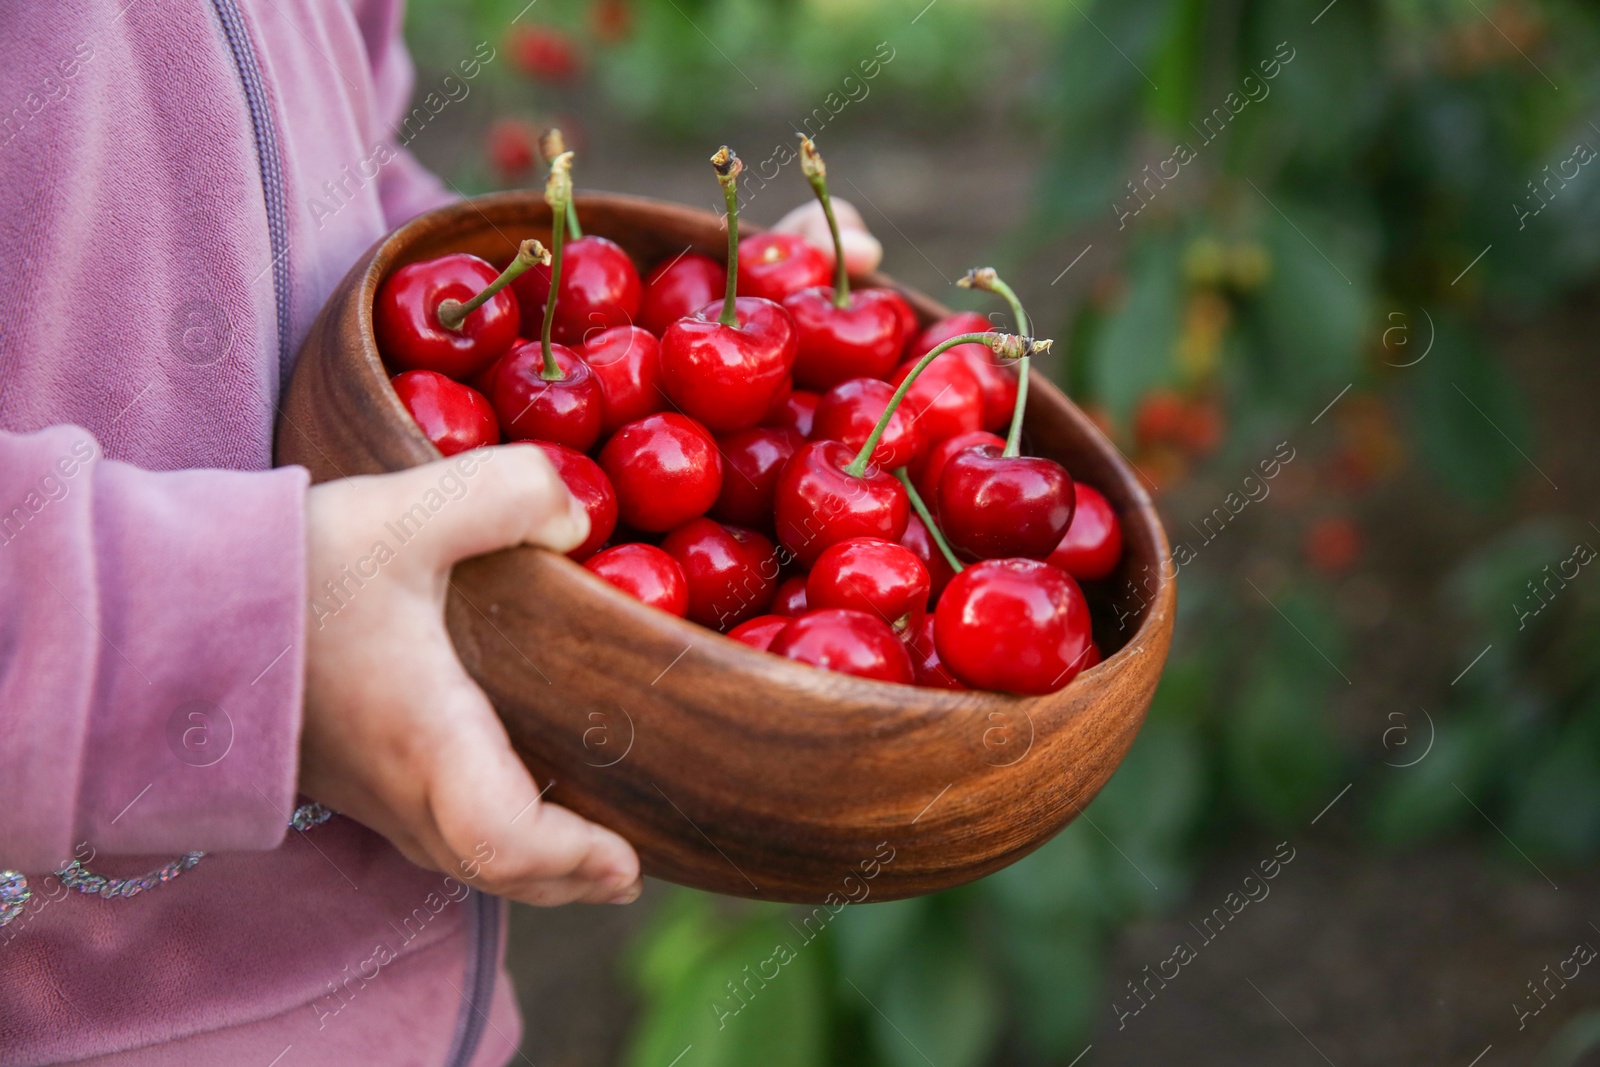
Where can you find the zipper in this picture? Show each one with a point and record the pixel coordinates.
(483, 959)
(266, 141)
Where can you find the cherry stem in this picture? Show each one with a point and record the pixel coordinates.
(816, 173)
(927, 520)
(988, 279)
(558, 194)
(728, 166)
(858, 466)
(453, 313)
(551, 145)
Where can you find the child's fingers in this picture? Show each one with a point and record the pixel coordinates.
(862, 251)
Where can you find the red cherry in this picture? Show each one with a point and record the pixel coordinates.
(627, 363)
(455, 417)
(997, 382)
(680, 287)
(752, 459)
(645, 573)
(797, 411)
(1013, 625)
(566, 410)
(665, 469)
(773, 265)
(599, 289)
(932, 468)
(850, 410)
(819, 503)
(512, 146)
(1093, 542)
(759, 632)
(910, 326)
(874, 576)
(588, 483)
(544, 53)
(1093, 659)
(731, 571)
(728, 376)
(946, 398)
(790, 599)
(920, 543)
(860, 340)
(850, 642)
(405, 317)
(991, 505)
(928, 668)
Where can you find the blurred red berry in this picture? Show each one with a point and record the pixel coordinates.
(613, 20)
(513, 147)
(1202, 427)
(544, 53)
(1333, 545)
(1160, 418)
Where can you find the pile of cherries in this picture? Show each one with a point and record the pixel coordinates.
(795, 463)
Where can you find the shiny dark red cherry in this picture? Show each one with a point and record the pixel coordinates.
(759, 632)
(850, 642)
(645, 573)
(728, 377)
(405, 317)
(665, 469)
(773, 265)
(946, 399)
(790, 599)
(926, 665)
(992, 506)
(599, 289)
(797, 411)
(680, 287)
(850, 410)
(926, 475)
(920, 542)
(627, 363)
(731, 571)
(589, 485)
(819, 503)
(531, 407)
(997, 382)
(752, 459)
(454, 417)
(1092, 545)
(874, 576)
(1013, 625)
(862, 339)
(909, 324)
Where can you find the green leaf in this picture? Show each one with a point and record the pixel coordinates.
(1135, 346)
(1430, 798)
(1053, 976)
(1471, 425)
(1557, 810)
(938, 1003)
(868, 937)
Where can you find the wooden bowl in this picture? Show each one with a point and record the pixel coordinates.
(730, 769)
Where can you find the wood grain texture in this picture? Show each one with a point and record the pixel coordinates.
(729, 769)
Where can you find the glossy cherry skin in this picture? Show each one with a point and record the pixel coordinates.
(1013, 625)
(927, 474)
(599, 289)
(874, 576)
(680, 287)
(731, 571)
(910, 326)
(627, 363)
(645, 573)
(589, 485)
(773, 265)
(566, 410)
(752, 459)
(1092, 545)
(945, 399)
(759, 632)
(992, 506)
(728, 377)
(849, 411)
(926, 665)
(405, 317)
(797, 411)
(790, 599)
(997, 382)
(455, 417)
(920, 543)
(860, 340)
(818, 503)
(665, 469)
(850, 642)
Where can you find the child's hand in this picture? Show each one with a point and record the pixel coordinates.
(862, 252)
(397, 736)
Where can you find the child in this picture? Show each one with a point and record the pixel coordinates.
(181, 186)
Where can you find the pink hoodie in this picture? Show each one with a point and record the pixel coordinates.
(181, 184)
